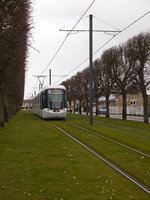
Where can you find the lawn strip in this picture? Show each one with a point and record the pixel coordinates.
(139, 143)
(132, 127)
(38, 162)
(135, 164)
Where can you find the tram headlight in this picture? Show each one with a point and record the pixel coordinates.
(60, 110)
(51, 110)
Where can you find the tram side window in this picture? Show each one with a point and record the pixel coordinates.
(44, 100)
(65, 101)
(36, 100)
(40, 101)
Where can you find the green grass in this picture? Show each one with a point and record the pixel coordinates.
(38, 162)
(138, 136)
(132, 162)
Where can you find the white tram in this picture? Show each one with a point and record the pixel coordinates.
(50, 102)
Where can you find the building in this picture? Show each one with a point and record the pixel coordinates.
(134, 104)
(27, 104)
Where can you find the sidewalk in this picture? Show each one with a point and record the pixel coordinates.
(129, 117)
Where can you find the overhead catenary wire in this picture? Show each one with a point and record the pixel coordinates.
(123, 30)
(106, 23)
(106, 43)
(67, 36)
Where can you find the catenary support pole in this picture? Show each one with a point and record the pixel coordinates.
(91, 59)
(50, 77)
(91, 67)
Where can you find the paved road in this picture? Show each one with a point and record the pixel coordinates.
(133, 118)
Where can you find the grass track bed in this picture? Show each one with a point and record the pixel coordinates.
(39, 162)
(134, 140)
(131, 162)
(132, 127)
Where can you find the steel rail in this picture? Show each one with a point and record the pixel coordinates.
(114, 166)
(106, 125)
(107, 138)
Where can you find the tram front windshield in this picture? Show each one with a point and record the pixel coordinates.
(56, 98)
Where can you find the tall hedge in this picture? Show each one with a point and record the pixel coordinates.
(15, 24)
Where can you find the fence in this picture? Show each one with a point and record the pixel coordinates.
(131, 110)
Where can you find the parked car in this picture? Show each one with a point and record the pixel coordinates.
(102, 110)
(69, 110)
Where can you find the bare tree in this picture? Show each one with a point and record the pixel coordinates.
(80, 89)
(121, 70)
(98, 88)
(85, 79)
(107, 83)
(69, 94)
(74, 88)
(141, 53)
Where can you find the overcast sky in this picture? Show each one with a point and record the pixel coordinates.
(49, 16)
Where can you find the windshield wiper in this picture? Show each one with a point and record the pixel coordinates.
(52, 105)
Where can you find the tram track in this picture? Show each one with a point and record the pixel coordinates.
(101, 123)
(110, 163)
(109, 139)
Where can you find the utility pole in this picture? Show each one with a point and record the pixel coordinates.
(41, 82)
(50, 77)
(91, 67)
(91, 59)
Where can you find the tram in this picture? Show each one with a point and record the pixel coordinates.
(50, 102)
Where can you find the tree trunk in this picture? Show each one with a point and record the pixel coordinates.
(70, 110)
(74, 105)
(143, 91)
(145, 105)
(96, 106)
(107, 107)
(6, 118)
(1, 108)
(80, 110)
(124, 106)
(87, 107)
(6, 109)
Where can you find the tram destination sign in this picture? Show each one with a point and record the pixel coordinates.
(55, 91)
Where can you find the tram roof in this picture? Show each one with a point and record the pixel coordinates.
(50, 87)
(54, 86)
